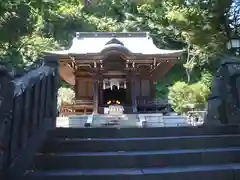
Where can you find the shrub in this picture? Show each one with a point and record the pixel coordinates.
(200, 93)
(182, 96)
(178, 95)
(65, 96)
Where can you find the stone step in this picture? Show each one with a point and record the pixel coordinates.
(141, 132)
(140, 144)
(174, 153)
(201, 172)
(117, 120)
(159, 120)
(75, 121)
(138, 159)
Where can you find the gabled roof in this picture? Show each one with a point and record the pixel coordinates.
(131, 43)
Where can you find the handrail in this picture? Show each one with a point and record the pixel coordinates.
(6, 98)
(28, 109)
(83, 102)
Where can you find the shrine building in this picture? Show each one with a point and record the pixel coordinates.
(108, 68)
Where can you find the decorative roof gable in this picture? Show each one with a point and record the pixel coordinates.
(114, 41)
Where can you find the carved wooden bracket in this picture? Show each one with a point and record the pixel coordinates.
(73, 64)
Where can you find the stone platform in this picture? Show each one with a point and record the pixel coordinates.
(123, 120)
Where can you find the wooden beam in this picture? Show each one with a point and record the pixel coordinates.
(158, 64)
(138, 59)
(84, 78)
(133, 91)
(151, 64)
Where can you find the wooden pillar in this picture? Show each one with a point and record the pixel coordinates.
(152, 88)
(95, 94)
(133, 91)
(101, 93)
(76, 89)
(128, 91)
(100, 89)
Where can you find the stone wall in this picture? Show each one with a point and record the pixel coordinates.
(224, 101)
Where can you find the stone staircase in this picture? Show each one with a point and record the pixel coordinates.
(122, 120)
(173, 153)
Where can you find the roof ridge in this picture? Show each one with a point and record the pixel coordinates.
(111, 34)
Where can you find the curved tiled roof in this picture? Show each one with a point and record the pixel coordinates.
(134, 43)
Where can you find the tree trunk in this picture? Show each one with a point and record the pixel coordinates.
(188, 73)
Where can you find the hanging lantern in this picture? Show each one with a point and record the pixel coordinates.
(234, 45)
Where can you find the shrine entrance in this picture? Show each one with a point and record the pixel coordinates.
(114, 92)
(115, 96)
(114, 68)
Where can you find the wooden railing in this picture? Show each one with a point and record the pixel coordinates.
(28, 107)
(79, 107)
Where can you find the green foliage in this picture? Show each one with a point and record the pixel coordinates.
(206, 78)
(65, 96)
(200, 93)
(203, 26)
(32, 48)
(177, 74)
(21, 41)
(183, 96)
(179, 95)
(162, 90)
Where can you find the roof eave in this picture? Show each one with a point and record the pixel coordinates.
(171, 53)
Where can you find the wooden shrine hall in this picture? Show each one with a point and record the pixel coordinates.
(109, 68)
